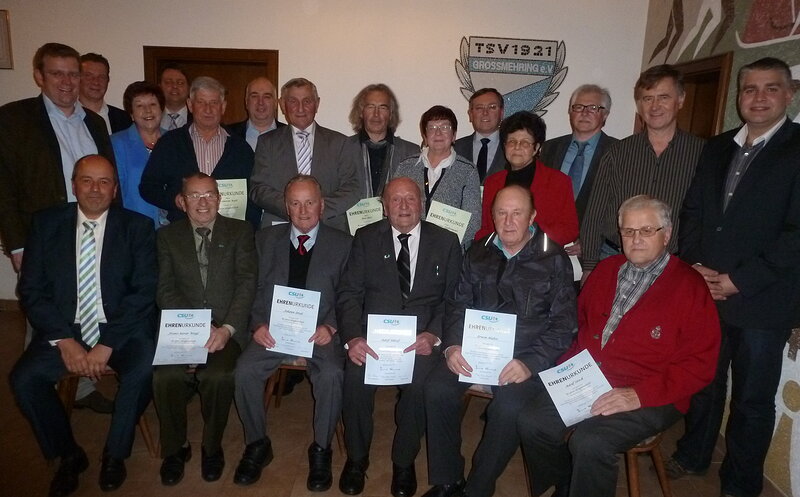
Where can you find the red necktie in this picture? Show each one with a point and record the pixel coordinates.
(301, 249)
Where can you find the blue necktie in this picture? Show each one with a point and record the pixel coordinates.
(576, 170)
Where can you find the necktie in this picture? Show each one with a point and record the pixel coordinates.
(404, 265)
(202, 253)
(576, 169)
(87, 286)
(174, 116)
(301, 248)
(304, 154)
(482, 156)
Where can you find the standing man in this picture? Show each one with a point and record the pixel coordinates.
(578, 154)
(405, 266)
(308, 255)
(88, 288)
(202, 146)
(739, 230)
(304, 147)
(261, 102)
(205, 261)
(483, 147)
(95, 73)
(375, 116)
(175, 84)
(660, 162)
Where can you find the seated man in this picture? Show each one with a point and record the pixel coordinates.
(301, 254)
(206, 261)
(517, 271)
(108, 323)
(649, 321)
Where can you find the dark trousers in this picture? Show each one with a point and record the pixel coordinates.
(755, 358)
(173, 388)
(41, 366)
(409, 414)
(589, 460)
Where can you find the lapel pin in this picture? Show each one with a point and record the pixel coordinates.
(656, 332)
(386, 256)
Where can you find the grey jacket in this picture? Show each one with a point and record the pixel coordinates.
(398, 150)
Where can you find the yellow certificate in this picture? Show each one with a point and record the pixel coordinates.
(233, 200)
(449, 218)
(366, 211)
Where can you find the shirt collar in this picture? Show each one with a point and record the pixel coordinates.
(52, 109)
(655, 267)
(272, 126)
(101, 220)
(447, 162)
(494, 135)
(195, 134)
(741, 136)
(310, 129)
(591, 142)
(509, 255)
(415, 231)
(210, 226)
(312, 233)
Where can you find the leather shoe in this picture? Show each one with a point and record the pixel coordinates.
(404, 481)
(211, 465)
(65, 480)
(96, 402)
(112, 473)
(256, 456)
(450, 490)
(676, 470)
(319, 468)
(351, 482)
(172, 466)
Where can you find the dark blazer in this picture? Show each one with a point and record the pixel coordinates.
(118, 118)
(231, 278)
(240, 129)
(398, 150)
(31, 176)
(371, 282)
(334, 164)
(48, 283)
(328, 258)
(463, 148)
(553, 152)
(757, 239)
(173, 158)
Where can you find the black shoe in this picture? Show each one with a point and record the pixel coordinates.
(112, 473)
(319, 468)
(451, 490)
(404, 481)
(96, 402)
(212, 465)
(65, 480)
(352, 480)
(172, 466)
(256, 456)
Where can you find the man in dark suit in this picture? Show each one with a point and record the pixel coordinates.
(304, 147)
(483, 147)
(202, 146)
(206, 261)
(88, 288)
(95, 72)
(261, 102)
(398, 266)
(302, 254)
(739, 228)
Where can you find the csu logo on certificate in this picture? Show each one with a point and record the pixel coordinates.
(526, 72)
(391, 322)
(296, 294)
(184, 315)
(491, 319)
(565, 367)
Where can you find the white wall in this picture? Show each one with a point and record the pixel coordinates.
(343, 45)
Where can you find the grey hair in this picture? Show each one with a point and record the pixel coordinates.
(207, 83)
(605, 96)
(639, 202)
(298, 83)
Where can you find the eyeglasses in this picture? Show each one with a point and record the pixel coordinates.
(591, 109)
(485, 108)
(525, 144)
(198, 196)
(645, 231)
(444, 128)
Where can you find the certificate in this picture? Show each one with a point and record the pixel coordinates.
(449, 218)
(293, 319)
(574, 386)
(233, 200)
(388, 336)
(488, 345)
(366, 211)
(577, 270)
(182, 336)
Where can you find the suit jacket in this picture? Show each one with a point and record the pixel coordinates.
(328, 258)
(553, 152)
(371, 281)
(118, 118)
(398, 150)
(48, 283)
(231, 277)
(173, 158)
(463, 148)
(31, 176)
(756, 240)
(334, 164)
(240, 128)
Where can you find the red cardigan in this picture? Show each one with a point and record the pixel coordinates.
(665, 347)
(553, 199)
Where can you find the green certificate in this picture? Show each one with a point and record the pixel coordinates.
(366, 211)
(233, 200)
(449, 218)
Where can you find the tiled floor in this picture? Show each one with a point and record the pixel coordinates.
(23, 472)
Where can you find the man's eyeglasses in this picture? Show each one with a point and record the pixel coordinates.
(591, 109)
(198, 196)
(645, 231)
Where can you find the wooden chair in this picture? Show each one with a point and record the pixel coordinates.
(653, 446)
(68, 386)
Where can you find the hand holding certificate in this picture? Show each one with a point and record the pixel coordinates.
(293, 320)
(488, 345)
(389, 336)
(574, 386)
(182, 336)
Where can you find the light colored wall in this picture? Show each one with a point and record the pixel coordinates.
(342, 45)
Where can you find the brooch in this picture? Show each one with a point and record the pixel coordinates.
(655, 333)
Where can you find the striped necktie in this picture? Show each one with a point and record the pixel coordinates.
(87, 286)
(304, 154)
(174, 117)
(404, 265)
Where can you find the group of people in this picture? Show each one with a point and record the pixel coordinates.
(689, 252)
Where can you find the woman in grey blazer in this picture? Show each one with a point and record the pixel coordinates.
(441, 174)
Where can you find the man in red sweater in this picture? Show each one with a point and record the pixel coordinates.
(649, 321)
